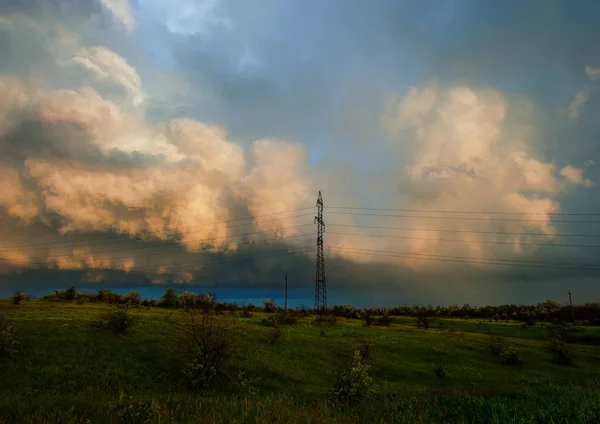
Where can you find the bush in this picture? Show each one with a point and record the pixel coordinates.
(133, 298)
(284, 318)
(206, 303)
(439, 371)
(188, 299)
(353, 383)
(246, 313)
(512, 356)
(8, 343)
(129, 409)
(18, 297)
(69, 294)
(118, 320)
(495, 345)
(51, 297)
(367, 316)
(206, 344)
(245, 385)
(365, 347)
(169, 299)
(423, 322)
(385, 319)
(323, 319)
(274, 335)
(269, 305)
(560, 351)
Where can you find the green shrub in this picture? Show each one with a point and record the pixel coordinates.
(206, 343)
(385, 319)
(69, 294)
(245, 385)
(268, 322)
(439, 371)
(129, 409)
(512, 356)
(169, 299)
(353, 383)
(325, 319)
(284, 318)
(423, 322)
(51, 297)
(274, 335)
(8, 343)
(118, 320)
(560, 351)
(367, 316)
(188, 299)
(365, 347)
(269, 305)
(495, 345)
(18, 297)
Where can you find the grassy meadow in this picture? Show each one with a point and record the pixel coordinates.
(71, 369)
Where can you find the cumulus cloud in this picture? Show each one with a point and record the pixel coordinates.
(583, 96)
(91, 164)
(122, 11)
(575, 176)
(473, 143)
(104, 64)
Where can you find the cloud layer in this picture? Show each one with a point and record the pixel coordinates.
(154, 148)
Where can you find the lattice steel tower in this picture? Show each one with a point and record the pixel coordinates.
(320, 284)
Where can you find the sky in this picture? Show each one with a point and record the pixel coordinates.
(184, 142)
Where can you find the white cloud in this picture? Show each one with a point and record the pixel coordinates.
(575, 176)
(580, 99)
(593, 73)
(122, 10)
(475, 143)
(186, 16)
(105, 64)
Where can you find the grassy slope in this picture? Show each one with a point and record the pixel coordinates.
(66, 363)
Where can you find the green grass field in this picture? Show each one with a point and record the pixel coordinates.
(69, 371)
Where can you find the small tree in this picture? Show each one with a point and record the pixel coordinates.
(69, 294)
(18, 297)
(207, 303)
(169, 299)
(269, 305)
(367, 316)
(206, 343)
(8, 344)
(353, 384)
(188, 299)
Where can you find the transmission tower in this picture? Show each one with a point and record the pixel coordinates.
(320, 285)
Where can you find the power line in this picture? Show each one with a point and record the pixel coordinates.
(251, 242)
(462, 218)
(443, 230)
(285, 252)
(464, 212)
(469, 241)
(452, 259)
(570, 264)
(45, 246)
(173, 232)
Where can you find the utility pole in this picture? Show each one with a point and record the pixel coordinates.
(285, 307)
(572, 310)
(320, 284)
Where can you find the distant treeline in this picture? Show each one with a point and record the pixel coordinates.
(549, 310)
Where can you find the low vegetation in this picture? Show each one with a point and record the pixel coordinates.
(181, 359)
